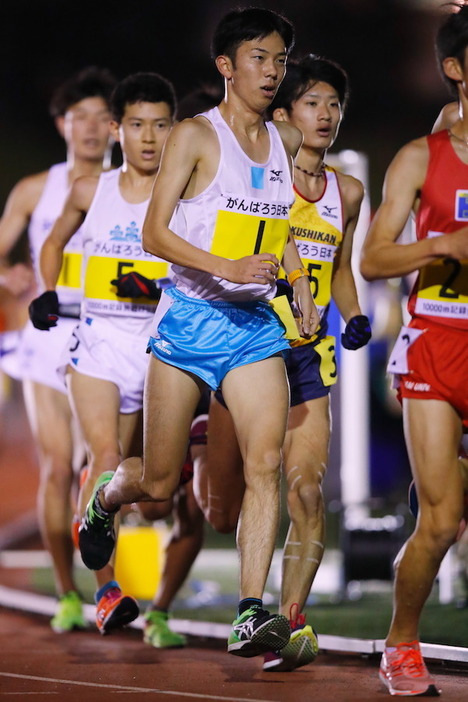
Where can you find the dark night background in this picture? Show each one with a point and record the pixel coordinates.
(385, 45)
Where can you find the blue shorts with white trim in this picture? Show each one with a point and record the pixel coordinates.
(209, 338)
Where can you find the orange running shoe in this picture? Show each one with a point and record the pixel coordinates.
(115, 610)
(404, 672)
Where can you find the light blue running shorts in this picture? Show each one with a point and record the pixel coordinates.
(209, 338)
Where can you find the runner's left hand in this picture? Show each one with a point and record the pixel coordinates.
(357, 333)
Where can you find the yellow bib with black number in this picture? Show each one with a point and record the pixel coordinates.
(237, 235)
(102, 269)
(70, 272)
(326, 350)
(443, 289)
(317, 230)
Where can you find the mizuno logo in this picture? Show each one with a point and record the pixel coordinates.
(328, 212)
(276, 175)
(163, 346)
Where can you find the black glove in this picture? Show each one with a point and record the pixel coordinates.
(136, 285)
(357, 332)
(44, 310)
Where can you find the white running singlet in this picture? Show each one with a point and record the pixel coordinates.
(243, 211)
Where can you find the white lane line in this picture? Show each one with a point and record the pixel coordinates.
(129, 688)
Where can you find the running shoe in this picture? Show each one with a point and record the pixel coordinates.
(257, 631)
(158, 633)
(96, 534)
(114, 610)
(404, 672)
(301, 649)
(69, 614)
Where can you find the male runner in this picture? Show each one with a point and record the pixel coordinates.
(106, 360)
(219, 212)
(323, 218)
(81, 113)
(430, 358)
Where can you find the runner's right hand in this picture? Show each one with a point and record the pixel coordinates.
(136, 285)
(44, 310)
(259, 268)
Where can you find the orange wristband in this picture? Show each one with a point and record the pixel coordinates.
(298, 273)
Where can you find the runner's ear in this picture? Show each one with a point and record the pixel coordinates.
(453, 69)
(224, 66)
(280, 115)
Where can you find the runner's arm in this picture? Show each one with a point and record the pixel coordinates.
(382, 256)
(343, 287)
(69, 221)
(187, 146)
(310, 319)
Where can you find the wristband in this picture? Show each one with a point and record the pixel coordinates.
(298, 273)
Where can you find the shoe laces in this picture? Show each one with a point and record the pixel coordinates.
(105, 520)
(408, 658)
(296, 618)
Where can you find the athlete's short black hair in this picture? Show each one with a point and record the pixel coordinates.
(452, 40)
(142, 87)
(301, 74)
(245, 24)
(89, 82)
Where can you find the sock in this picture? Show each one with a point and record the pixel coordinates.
(247, 603)
(99, 508)
(102, 591)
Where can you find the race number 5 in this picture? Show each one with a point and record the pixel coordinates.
(313, 279)
(121, 265)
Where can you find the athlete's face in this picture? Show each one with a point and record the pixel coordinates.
(318, 115)
(85, 127)
(142, 133)
(257, 71)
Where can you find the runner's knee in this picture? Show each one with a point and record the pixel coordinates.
(261, 466)
(304, 497)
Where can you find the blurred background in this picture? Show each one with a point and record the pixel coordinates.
(385, 45)
(387, 48)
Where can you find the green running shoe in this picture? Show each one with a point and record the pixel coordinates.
(96, 534)
(69, 614)
(301, 649)
(257, 631)
(158, 633)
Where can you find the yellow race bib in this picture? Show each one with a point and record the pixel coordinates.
(283, 309)
(70, 272)
(326, 350)
(102, 269)
(443, 289)
(237, 235)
